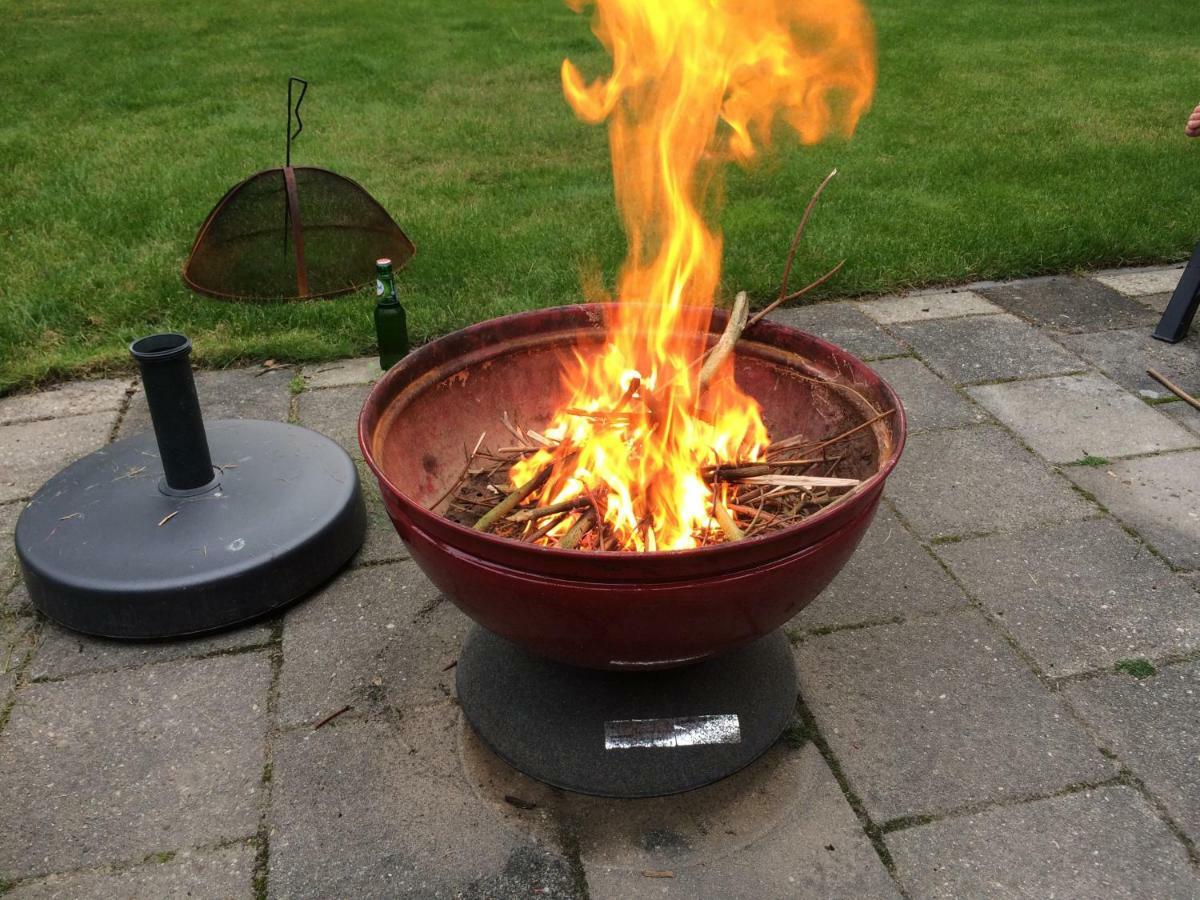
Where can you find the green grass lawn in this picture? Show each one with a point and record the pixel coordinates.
(1006, 139)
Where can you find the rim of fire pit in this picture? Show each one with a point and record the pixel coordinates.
(439, 360)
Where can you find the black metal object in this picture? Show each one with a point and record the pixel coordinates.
(1177, 318)
(619, 734)
(109, 546)
(164, 360)
(330, 250)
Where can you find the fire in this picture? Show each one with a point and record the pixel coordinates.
(694, 84)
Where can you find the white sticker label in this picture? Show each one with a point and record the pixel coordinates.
(685, 731)
(378, 288)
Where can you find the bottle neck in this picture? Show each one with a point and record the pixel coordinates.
(385, 287)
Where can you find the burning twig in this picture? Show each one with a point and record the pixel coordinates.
(725, 520)
(578, 531)
(720, 352)
(509, 503)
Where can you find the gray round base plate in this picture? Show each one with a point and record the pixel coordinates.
(105, 552)
(620, 734)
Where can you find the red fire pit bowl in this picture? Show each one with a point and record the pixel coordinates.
(615, 610)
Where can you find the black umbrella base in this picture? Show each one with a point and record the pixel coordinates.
(104, 551)
(620, 734)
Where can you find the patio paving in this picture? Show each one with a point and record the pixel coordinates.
(999, 695)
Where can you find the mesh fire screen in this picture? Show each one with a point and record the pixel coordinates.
(293, 233)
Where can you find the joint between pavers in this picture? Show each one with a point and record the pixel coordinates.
(868, 825)
(262, 837)
(1129, 778)
(123, 409)
(1165, 661)
(160, 857)
(108, 670)
(902, 823)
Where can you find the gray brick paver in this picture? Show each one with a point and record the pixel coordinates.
(986, 348)
(1124, 356)
(1159, 496)
(32, 452)
(1067, 418)
(841, 324)
(111, 768)
(1069, 304)
(250, 393)
(74, 399)
(926, 305)
(334, 413)
(343, 372)
(929, 402)
(1079, 596)
(1153, 725)
(1106, 842)
(224, 873)
(939, 714)
(974, 480)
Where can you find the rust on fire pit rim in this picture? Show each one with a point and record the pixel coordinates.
(462, 350)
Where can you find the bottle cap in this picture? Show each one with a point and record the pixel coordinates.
(383, 262)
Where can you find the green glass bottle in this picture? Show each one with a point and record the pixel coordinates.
(391, 324)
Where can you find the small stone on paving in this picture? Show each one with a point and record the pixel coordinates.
(1069, 304)
(1153, 725)
(1068, 418)
(62, 652)
(76, 399)
(1157, 496)
(986, 348)
(1080, 596)
(890, 576)
(364, 370)
(974, 480)
(1141, 282)
(779, 828)
(919, 307)
(843, 325)
(1124, 356)
(938, 714)
(253, 393)
(929, 402)
(31, 453)
(379, 637)
(119, 766)
(224, 872)
(386, 802)
(1106, 842)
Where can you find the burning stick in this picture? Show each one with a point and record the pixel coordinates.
(720, 352)
(509, 503)
(578, 531)
(725, 520)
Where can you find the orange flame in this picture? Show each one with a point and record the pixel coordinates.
(694, 83)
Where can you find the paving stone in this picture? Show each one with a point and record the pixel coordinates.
(377, 638)
(386, 800)
(18, 636)
(890, 576)
(382, 543)
(986, 348)
(1140, 282)
(1156, 302)
(929, 402)
(1158, 496)
(1124, 357)
(1186, 415)
(938, 714)
(225, 873)
(62, 652)
(779, 828)
(919, 307)
(9, 569)
(364, 370)
(334, 413)
(254, 393)
(1153, 725)
(16, 602)
(77, 399)
(843, 325)
(1106, 842)
(1069, 304)
(1079, 596)
(975, 480)
(1067, 418)
(118, 766)
(31, 453)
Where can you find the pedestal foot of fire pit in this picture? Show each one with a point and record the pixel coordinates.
(619, 734)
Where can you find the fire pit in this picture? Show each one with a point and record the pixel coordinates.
(618, 610)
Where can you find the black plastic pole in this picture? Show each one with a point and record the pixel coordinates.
(175, 411)
(1177, 318)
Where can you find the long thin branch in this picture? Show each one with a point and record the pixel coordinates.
(1173, 388)
(787, 269)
